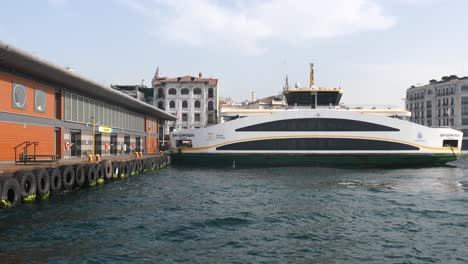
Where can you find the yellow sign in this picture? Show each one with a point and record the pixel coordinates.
(105, 129)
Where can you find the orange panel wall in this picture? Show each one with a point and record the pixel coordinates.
(6, 89)
(14, 134)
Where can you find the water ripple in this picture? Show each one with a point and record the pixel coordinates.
(267, 215)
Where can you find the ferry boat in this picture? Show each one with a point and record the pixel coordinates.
(326, 133)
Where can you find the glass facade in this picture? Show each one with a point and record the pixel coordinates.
(80, 109)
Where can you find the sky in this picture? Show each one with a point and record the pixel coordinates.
(373, 49)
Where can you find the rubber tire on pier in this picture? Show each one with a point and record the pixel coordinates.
(80, 175)
(133, 167)
(115, 169)
(9, 191)
(55, 180)
(139, 166)
(154, 164)
(100, 173)
(126, 169)
(91, 175)
(107, 164)
(28, 183)
(68, 177)
(122, 169)
(43, 182)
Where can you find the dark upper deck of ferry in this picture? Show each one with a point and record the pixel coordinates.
(313, 97)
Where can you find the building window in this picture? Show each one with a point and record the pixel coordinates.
(172, 91)
(184, 104)
(197, 91)
(172, 104)
(464, 88)
(184, 117)
(210, 119)
(428, 104)
(197, 104)
(197, 117)
(210, 106)
(39, 100)
(210, 93)
(161, 105)
(171, 129)
(184, 91)
(19, 96)
(160, 92)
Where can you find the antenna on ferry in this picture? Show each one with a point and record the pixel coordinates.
(311, 80)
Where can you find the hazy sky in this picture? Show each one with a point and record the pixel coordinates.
(373, 49)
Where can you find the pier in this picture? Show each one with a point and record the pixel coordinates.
(31, 183)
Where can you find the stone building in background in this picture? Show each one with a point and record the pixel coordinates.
(441, 103)
(193, 100)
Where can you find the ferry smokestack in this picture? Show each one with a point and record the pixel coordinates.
(311, 81)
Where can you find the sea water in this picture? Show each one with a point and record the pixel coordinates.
(254, 215)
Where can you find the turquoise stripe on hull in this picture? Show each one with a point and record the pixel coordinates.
(278, 160)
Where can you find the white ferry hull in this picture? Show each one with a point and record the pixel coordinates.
(317, 137)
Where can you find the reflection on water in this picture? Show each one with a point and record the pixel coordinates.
(279, 215)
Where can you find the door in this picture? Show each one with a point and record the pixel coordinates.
(137, 144)
(113, 144)
(75, 143)
(97, 143)
(127, 144)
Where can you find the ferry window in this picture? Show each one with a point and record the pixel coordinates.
(172, 104)
(317, 144)
(184, 91)
(187, 143)
(210, 92)
(450, 143)
(317, 124)
(39, 100)
(197, 104)
(184, 117)
(173, 91)
(184, 104)
(210, 106)
(197, 91)
(19, 96)
(197, 117)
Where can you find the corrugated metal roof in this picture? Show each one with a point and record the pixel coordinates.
(34, 66)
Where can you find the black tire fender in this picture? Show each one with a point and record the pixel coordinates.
(107, 164)
(80, 175)
(28, 184)
(55, 180)
(43, 182)
(68, 177)
(100, 173)
(91, 176)
(115, 169)
(10, 191)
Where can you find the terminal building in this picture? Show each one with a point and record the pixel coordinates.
(59, 113)
(441, 103)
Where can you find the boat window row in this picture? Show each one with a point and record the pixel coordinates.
(317, 144)
(317, 124)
